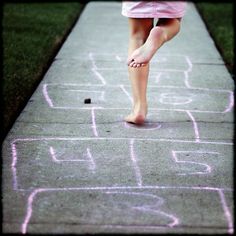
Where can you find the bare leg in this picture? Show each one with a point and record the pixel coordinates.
(139, 31)
(165, 30)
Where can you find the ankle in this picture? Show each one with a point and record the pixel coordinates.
(140, 107)
(159, 34)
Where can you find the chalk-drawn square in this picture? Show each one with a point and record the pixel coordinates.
(157, 209)
(68, 162)
(197, 100)
(184, 163)
(71, 96)
(68, 96)
(167, 78)
(166, 62)
(73, 71)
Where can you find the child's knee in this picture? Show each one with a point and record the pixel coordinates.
(140, 28)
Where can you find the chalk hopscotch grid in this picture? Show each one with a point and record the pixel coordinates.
(138, 175)
(136, 170)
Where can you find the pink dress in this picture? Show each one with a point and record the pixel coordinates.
(153, 9)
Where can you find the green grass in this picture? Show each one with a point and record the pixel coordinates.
(219, 20)
(32, 34)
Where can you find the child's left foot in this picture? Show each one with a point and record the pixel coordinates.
(138, 115)
(137, 119)
(142, 56)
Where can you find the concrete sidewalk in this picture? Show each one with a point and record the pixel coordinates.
(71, 167)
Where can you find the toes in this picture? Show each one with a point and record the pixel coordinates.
(132, 64)
(129, 60)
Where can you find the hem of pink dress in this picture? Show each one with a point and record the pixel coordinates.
(140, 15)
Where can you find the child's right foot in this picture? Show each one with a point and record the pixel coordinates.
(141, 56)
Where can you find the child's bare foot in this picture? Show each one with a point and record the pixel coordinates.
(142, 55)
(137, 116)
(137, 119)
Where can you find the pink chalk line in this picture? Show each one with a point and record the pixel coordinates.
(207, 167)
(94, 126)
(13, 165)
(226, 212)
(158, 126)
(99, 76)
(195, 126)
(40, 190)
(118, 58)
(90, 91)
(90, 158)
(45, 93)
(228, 108)
(110, 138)
(135, 164)
(123, 108)
(231, 102)
(186, 73)
(150, 208)
(126, 93)
(93, 61)
(166, 96)
(30, 209)
(231, 96)
(95, 68)
(151, 86)
(158, 77)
